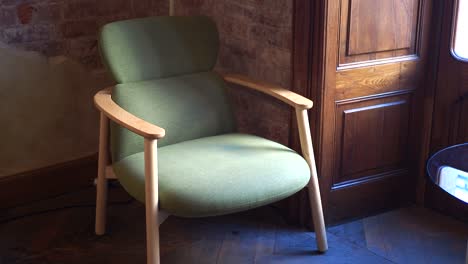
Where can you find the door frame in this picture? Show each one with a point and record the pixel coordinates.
(310, 79)
(435, 197)
(307, 80)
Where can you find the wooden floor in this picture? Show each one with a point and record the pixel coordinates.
(41, 233)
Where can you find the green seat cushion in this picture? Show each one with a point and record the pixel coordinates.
(218, 175)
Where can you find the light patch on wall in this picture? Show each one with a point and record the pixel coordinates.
(47, 114)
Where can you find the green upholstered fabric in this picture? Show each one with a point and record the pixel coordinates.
(187, 107)
(158, 47)
(218, 175)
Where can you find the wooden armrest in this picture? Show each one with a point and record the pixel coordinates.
(293, 99)
(106, 105)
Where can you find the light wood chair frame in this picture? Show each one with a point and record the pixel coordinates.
(109, 110)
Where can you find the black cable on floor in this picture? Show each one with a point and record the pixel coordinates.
(12, 219)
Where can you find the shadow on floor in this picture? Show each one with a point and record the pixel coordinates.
(409, 235)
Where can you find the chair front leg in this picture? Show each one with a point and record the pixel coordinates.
(151, 201)
(101, 188)
(313, 186)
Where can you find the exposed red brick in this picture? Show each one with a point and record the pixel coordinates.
(256, 40)
(238, 29)
(80, 9)
(7, 16)
(279, 58)
(73, 29)
(29, 33)
(113, 7)
(255, 35)
(271, 36)
(47, 13)
(144, 8)
(10, 2)
(25, 11)
(85, 51)
(48, 48)
(101, 21)
(67, 27)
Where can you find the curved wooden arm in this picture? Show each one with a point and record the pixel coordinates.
(293, 99)
(107, 106)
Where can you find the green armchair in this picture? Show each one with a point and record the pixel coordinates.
(201, 166)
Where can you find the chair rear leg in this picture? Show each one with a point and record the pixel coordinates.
(317, 212)
(313, 186)
(152, 202)
(101, 188)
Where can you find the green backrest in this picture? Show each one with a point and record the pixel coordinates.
(163, 66)
(158, 47)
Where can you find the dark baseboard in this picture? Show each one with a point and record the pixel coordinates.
(47, 182)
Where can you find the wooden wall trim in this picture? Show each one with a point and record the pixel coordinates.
(308, 72)
(374, 97)
(47, 182)
(362, 64)
(387, 174)
(298, 210)
(301, 65)
(307, 61)
(430, 83)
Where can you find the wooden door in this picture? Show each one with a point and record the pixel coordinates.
(450, 111)
(367, 88)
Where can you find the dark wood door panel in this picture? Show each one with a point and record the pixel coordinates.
(379, 79)
(458, 119)
(369, 197)
(371, 137)
(375, 30)
(451, 107)
(376, 26)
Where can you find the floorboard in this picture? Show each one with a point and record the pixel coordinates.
(60, 230)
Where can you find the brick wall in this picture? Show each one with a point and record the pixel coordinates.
(256, 40)
(67, 27)
(44, 86)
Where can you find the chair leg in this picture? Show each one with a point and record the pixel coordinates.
(313, 186)
(151, 202)
(317, 213)
(101, 189)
